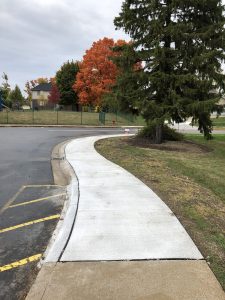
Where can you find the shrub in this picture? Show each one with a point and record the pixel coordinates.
(168, 134)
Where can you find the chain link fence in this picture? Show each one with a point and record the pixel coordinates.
(58, 117)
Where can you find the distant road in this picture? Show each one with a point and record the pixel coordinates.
(187, 128)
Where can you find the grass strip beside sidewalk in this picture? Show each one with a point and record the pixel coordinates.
(189, 177)
(219, 123)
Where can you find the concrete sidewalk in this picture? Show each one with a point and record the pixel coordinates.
(115, 229)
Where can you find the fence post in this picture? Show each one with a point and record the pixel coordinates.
(81, 116)
(102, 117)
(57, 117)
(7, 114)
(33, 116)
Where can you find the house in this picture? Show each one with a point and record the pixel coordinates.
(40, 95)
(222, 101)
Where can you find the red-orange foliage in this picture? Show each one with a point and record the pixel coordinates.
(97, 72)
(54, 96)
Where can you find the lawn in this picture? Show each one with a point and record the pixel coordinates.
(190, 178)
(219, 123)
(66, 118)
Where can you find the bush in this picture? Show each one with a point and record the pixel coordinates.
(147, 132)
(168, 134)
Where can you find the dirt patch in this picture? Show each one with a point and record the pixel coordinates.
(181, 146)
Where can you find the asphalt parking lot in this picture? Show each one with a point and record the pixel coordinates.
(30, 203)
(38, 210)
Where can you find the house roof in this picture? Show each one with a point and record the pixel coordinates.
(45, 87)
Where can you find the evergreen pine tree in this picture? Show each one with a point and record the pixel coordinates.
(126, 93)
(181, 43)
(5, 89)
(16, 97)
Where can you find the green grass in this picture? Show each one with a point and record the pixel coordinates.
(219, 122)
(190, 181)
(66, 118)
(208, 169)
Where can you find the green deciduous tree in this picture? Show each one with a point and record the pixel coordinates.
(181, 43)
(65, 79)
(28, 87)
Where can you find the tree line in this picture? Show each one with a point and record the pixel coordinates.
(170, 71)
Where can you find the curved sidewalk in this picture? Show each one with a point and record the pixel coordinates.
(119, 217)
(125, 242)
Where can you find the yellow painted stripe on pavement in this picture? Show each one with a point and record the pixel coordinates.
(8, 203)
(21, 262)
(36, 200)
(30, 223)
(43, 185)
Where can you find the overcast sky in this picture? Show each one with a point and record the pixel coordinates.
(37, 36)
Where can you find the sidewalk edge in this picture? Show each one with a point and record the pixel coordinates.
(63, 175)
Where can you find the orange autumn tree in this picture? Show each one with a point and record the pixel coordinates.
(97, 72)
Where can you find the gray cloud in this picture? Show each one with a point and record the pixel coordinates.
(37, 36)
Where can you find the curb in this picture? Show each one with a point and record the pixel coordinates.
(62, 232)
(63, 175)
(61, 169)
(66, 126)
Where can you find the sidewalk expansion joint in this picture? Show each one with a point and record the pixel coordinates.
(133, 260)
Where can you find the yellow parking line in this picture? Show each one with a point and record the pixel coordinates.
(21, 262)
(30, 223)
(8, 203)
(36, 200)
(43, 185)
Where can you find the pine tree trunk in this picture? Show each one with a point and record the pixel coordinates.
(158, 134)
